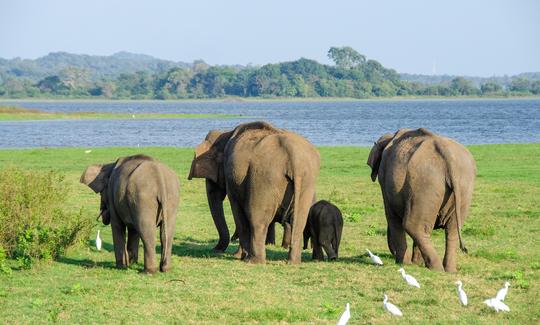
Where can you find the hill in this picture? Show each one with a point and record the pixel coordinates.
(96, 66)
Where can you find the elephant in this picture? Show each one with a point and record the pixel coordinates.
(268, 174)
(324, 226)
(216, 193)
(138, 193)
(427, 183)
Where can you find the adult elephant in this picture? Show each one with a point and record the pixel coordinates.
(269, 175)
(216, 189)
(427, 183)
(140, 194)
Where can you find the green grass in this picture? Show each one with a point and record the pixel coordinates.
(10, 113)
(502, 234)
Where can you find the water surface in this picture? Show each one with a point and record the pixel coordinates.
(323, 123)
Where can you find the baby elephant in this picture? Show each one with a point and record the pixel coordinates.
(140, 194)
(324, 226)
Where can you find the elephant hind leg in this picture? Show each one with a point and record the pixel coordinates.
(449, 261)
(418, 222)
(397, 240)
(166, 238)
(301, 210)
(329, 250)
(242, 229)
(119, 240)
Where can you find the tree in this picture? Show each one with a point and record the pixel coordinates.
(462, 86)
(520, 85)
(490, 88)
(346, 57)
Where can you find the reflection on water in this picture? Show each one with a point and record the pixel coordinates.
(324, 123)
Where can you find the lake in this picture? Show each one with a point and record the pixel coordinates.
(327, 123)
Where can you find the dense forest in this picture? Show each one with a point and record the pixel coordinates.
(134, 76)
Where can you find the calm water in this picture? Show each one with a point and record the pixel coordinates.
(324, 123)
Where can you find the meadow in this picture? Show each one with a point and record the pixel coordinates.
(12, 113)
(502, 235)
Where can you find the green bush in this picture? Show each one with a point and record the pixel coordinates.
(33, 215)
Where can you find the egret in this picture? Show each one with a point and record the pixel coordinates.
(345, 316)
(501, 294)
(409, 278)
(391, 308)
(98, 241)
(461, 294)
(374, 258)
(496, 304)
(87, 151)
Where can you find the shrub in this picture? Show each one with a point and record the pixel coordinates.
(35, 223)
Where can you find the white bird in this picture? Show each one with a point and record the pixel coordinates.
(496, 304)
(345, 316)
(391, 308)
(98, 241)
(501, 294)
(374, 258)
(87, 151)
(461, 294)
(409, 278)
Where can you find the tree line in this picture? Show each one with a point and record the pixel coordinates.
(352, 75)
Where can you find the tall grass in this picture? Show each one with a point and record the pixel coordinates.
(35, 223)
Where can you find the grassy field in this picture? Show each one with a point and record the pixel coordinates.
(502, 235)
(10, 113)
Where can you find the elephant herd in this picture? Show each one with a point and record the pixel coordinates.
(269, 176)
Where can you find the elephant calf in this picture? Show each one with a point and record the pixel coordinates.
(324, 227)
(140, 194)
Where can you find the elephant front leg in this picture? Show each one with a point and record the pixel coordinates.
(119, 240)
(286, 242)
(271, 234)
(133, 246)
(417, 255)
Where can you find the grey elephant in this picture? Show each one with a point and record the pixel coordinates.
(324, 226)
(139, 194)
(216, 192)
(269, 175)
(427, 183)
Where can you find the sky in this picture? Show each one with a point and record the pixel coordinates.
(459, 37)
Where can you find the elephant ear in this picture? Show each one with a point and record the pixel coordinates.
(208, 160)
(97, 176)
(375, 155)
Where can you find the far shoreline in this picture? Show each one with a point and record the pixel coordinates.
(269, 99)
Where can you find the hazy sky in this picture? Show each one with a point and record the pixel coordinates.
(462, 37)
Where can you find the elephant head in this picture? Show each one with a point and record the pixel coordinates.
(97, 178)
(208, 163)
(375, 155)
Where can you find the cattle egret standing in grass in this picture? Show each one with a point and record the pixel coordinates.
(345, 316)
(374, 258)
(391, 308)
(98, 241)
(461, 294)
(502, 293)
(496, 304)
(409, 278)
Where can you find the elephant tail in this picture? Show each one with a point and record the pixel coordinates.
(452, 181)
(162, 217)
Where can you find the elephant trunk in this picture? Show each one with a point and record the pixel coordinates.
(215, 196)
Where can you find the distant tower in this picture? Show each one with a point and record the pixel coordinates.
(434, 67)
